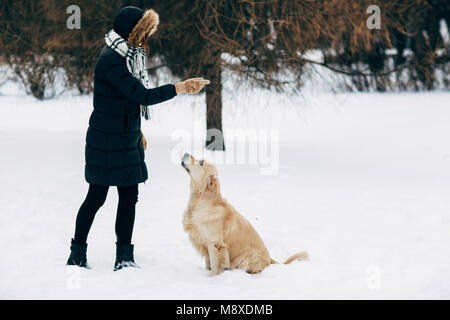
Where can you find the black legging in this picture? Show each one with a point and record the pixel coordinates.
(126, 211)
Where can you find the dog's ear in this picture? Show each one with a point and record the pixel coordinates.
(212, 184)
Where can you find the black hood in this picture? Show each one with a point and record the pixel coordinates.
(126, 19)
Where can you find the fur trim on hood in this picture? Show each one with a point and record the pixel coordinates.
(145, 27)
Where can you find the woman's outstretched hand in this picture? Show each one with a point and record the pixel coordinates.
(191, 86)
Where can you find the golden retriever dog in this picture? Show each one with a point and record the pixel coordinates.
(224, 237)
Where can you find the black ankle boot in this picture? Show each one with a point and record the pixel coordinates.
(78, 255)
(124, 256)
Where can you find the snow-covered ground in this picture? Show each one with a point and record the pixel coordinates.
(361, 181)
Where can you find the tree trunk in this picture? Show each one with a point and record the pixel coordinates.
(214, 136)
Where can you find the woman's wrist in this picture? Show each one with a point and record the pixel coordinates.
(180, 87)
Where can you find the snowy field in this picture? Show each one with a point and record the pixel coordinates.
(361, 181)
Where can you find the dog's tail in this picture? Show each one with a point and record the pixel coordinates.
(300, 256)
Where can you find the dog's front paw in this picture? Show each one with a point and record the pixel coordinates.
(207, 263)
(214, 272)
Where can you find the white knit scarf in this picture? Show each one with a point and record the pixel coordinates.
(135, 59)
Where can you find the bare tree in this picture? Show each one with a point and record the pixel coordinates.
(263, 42)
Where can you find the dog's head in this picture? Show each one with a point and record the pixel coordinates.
(203, 174)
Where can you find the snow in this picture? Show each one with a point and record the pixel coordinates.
(362, 184)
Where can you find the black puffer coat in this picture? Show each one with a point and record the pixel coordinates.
(114, 153)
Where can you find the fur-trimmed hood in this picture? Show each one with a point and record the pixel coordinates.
(145, 27)
(136, 25)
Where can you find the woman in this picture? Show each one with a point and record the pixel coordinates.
(114, 142)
